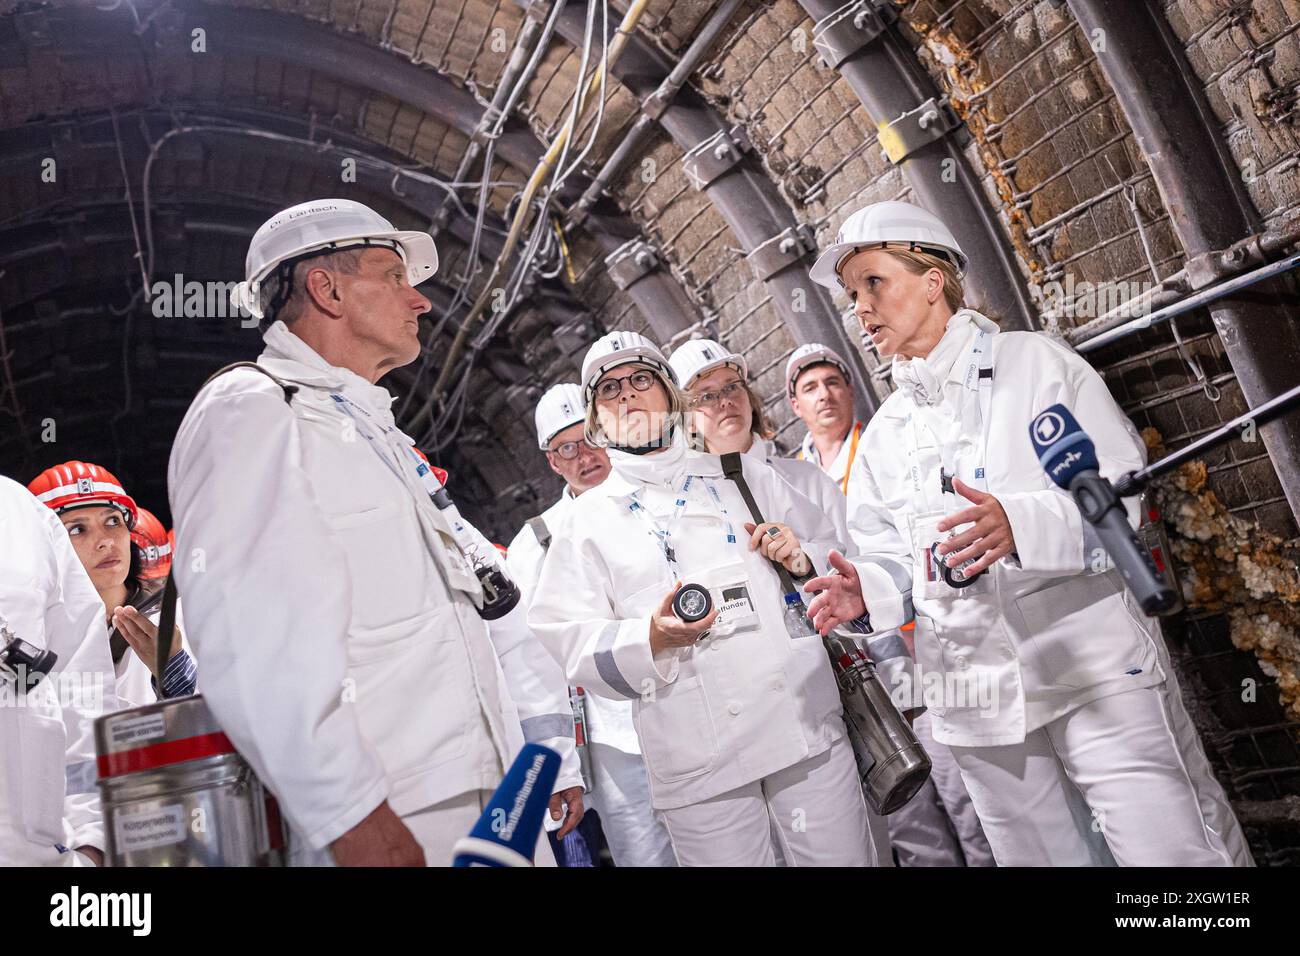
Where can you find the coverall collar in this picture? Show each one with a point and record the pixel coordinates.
(290, 357)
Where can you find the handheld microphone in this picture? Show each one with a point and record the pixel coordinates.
(1069, 457)
(506, 834)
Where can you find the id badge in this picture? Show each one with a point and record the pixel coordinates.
(932, 578)
(730, 589)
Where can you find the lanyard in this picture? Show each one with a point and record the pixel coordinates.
(430, 483)
(418, 463)
(663, 534)
(853, 455)
(975, 416)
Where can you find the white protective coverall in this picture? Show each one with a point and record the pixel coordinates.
(621, 791)
(811, 482)
(48, 799)
(332, 617)
(1044, 677)
(938, 826)
(743, 729)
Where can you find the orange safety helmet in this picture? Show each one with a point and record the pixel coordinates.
(78, 484)
(155, 546)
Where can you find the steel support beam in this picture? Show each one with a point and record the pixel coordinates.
(859, 40)
(745, 197)
(1201, 190)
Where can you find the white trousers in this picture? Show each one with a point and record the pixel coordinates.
(939, 826)
(814, 808)
(436, 829)
(1146, 787)
(621, 796)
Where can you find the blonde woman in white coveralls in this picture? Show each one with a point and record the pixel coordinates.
(739, 722)
(938, 826)
(727, 416)
(1058, 698)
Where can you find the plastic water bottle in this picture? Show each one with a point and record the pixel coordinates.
(797, 624)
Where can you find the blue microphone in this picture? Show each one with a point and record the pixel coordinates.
(1069, 457)
(507, 832)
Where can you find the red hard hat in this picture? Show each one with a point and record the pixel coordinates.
(151, 538)
(78, 484)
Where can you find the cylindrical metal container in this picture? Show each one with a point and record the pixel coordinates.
(891, 761)
(175, 792)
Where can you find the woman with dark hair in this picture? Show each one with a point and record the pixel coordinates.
(99, 516)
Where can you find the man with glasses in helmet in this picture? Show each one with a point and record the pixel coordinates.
(620, 791)
(341, 627)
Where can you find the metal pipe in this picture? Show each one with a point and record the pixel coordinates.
(656, 102)
(624, 32)
(1105, 337)
(1208, 207)
(746, 198)
(889, 82)
(512, 76)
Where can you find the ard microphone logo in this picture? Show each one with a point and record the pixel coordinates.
(1048, 427)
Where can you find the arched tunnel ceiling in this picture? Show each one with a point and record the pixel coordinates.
(404, 84)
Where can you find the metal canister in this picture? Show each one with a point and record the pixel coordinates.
(176, 793)
(891, 761)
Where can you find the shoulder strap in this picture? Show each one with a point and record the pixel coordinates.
(540, 531)
(733, 468)
(289, 390)
(166, 627)
(167, 616)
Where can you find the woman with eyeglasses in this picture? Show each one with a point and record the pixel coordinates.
(728, 416)
(739, 719)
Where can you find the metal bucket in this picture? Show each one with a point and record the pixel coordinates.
(891, 761)
(175, 792)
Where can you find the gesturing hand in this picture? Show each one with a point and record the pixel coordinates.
(840, 600)
(989, 540)
(142, 634)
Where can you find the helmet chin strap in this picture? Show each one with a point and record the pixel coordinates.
(655, 444)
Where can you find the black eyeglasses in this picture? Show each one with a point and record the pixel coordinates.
(709, 399)
(611, 388)
(571, 449)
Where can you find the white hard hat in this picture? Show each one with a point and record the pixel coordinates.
(322, 226)
(699, 356)
(814, 353)
(884, 223)
(559, 408)
(619, 348)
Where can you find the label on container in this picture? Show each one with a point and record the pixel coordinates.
(136, 730)
(149, 828)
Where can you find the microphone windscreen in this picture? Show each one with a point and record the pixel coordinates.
(511, 823)
(1063, 448)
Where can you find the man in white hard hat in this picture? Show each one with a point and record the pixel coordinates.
(939, 827)
(336, 616)
(821, 393)
(620, 791)
(49, 805)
